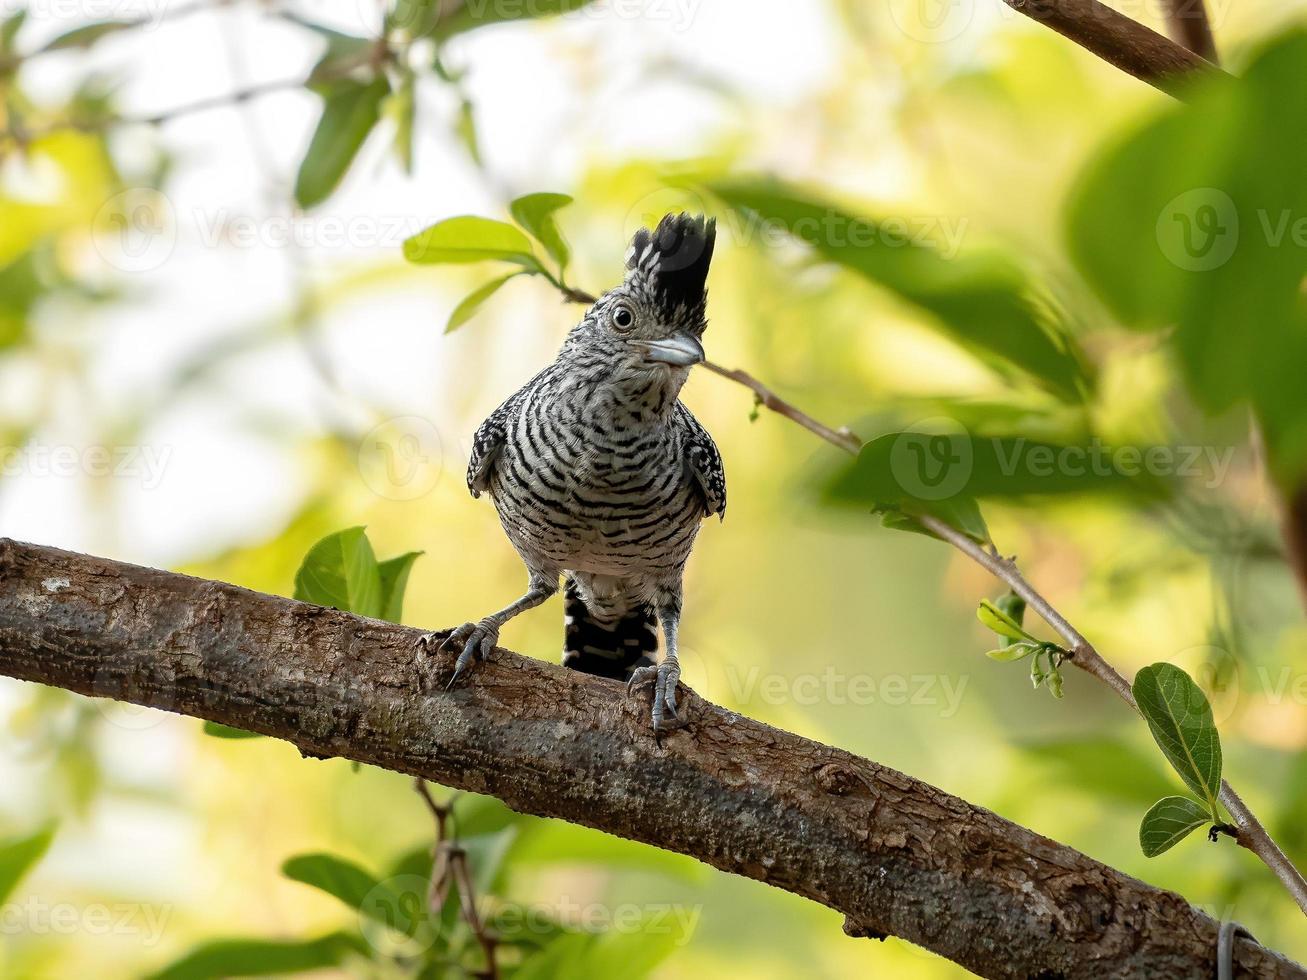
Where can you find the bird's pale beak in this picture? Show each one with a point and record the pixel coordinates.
(680, 350)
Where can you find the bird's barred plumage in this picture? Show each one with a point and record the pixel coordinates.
(595, 467)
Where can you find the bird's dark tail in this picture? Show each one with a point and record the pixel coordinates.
(608, 651)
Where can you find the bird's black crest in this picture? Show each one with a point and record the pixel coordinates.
(675, 257)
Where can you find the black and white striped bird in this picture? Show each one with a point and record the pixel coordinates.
(601, 475)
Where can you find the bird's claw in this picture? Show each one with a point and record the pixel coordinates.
(664, 678)
(476, 640)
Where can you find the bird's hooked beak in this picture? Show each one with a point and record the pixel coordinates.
(679, 350)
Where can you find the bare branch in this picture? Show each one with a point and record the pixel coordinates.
(1187, 23)
(1118, 40)
(895, 855)
(767, 398)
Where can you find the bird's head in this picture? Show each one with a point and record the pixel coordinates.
(654, 320)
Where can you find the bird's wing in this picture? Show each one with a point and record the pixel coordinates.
(702, 461)
(489, 441)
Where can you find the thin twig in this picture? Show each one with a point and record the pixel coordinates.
(449, 865)
(226, 100)
(764, 396)
(468, 905)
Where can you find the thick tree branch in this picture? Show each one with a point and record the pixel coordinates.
(895, 855)
(1117, 39)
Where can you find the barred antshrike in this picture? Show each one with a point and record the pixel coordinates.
(599, 473)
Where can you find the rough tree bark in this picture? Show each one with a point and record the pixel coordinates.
(895, 855)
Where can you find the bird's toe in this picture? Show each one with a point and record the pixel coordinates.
(640, 677)
(664, 678)
(477, 640)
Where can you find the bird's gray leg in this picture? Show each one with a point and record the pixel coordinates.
(667, 673)
(477, 639)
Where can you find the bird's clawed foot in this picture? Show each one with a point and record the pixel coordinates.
(475, 639)
(664, 678)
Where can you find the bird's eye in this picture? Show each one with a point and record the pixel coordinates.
(623, 318)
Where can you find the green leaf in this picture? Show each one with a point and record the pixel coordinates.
(350, 111)
(1189, 223)
(927, 470)
(469, 16)
(1013, 606)
(262, 957)
(564, 957)
(22, 283)
(1170, 821)
(341, 571)
(413, 16)
(555, 844)
(1102, 766)
(393, 573)
(1013, 652)
(465, 128)
(337, 877)
(1053, 681)
(961, 513)
(218, 730)
(19, 856)
(471, 239)
(1000, 622)
(1180, 719)
(471, 303)
(344, 51)
(980, 300)
(9, 28)
(635, 955)
(87, 35)
(401, 106)
(535, 213)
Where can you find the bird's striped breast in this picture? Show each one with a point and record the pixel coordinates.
(590, 484)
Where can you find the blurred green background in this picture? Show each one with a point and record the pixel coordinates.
(213, 354)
